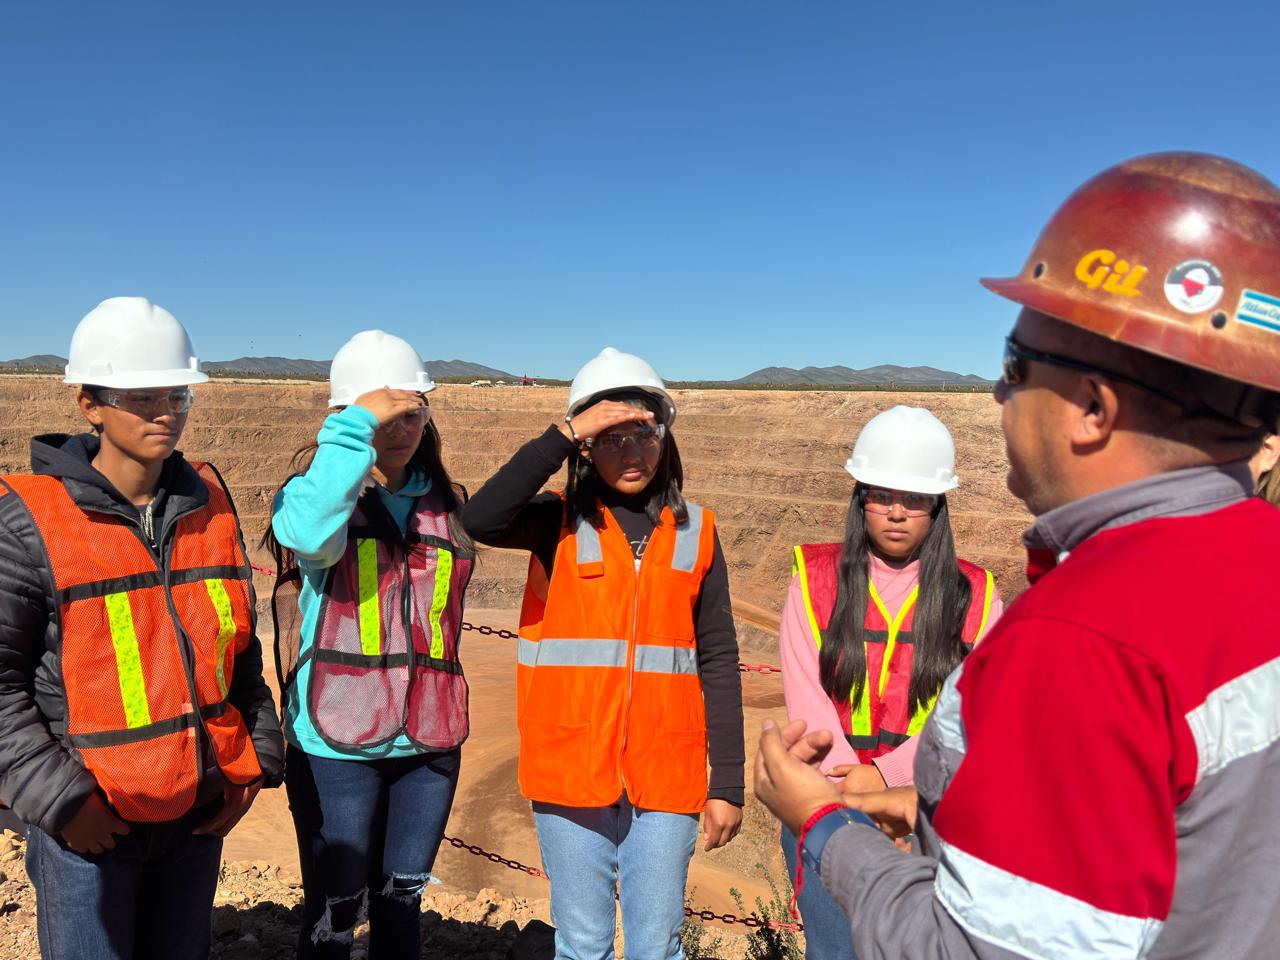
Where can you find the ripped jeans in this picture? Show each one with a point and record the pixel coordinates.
(368, 832)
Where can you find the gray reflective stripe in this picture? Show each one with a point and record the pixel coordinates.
(588, 542)
(687, 536)
(948, 724)
(650, 659)
(1032, 920)
(1237, 719)
(554, 652)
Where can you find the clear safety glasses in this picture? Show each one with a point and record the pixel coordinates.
(411, 421)
(148, 403)
(881, 501)
(645, 437)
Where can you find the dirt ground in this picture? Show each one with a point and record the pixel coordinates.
(769, 463)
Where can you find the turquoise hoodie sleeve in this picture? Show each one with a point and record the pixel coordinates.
(309, 515)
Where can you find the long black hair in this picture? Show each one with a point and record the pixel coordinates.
(584, 489)
(426, 459)
(937, 625)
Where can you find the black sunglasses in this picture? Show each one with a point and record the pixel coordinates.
(1014, 368)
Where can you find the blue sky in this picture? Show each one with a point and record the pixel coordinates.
(716, 186)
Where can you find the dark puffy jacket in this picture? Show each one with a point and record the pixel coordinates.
(40, 776)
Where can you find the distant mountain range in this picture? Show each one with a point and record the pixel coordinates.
(837, 376)
(41, 362)
(278, 367)
(882, 375)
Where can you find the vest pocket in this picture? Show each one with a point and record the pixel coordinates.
(674, 763)
(356, 705)
(670, 610)
(559, 763)
(437, 710)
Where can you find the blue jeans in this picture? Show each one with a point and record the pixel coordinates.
(588, 852)
(826, 929)
(368, 833)
(150, 897)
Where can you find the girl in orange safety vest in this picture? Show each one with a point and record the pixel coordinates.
(627, 672)
(373, 567)
(872, 626)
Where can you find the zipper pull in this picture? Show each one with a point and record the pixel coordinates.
(148, 522)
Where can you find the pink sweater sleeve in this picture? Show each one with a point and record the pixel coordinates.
(806, 700)
(897, 765)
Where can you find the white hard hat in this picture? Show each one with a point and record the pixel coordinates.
(371, 360)
(905, 448)
(130, 342)
(612, 371)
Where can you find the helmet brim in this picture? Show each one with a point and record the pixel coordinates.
(141, 380)
(1197, 345)
(348, 398)
(664, 398)
(1051, 302)
(901, 481)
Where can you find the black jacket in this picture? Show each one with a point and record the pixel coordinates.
(41, 777)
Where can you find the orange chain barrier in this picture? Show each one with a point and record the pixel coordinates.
(757, 668)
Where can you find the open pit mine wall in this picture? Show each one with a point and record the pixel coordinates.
(770, 463)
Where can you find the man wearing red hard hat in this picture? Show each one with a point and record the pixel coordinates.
(1099, 776)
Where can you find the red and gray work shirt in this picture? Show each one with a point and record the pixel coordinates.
(1101, 776)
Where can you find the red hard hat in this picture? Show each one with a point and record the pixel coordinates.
(1177, 254)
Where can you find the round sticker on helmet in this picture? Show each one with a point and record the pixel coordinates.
(1194, 286)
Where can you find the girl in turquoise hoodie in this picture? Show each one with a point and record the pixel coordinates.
(373, 568)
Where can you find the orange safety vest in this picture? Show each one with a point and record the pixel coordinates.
(147, 650)
(384, 656)
(882, 719)
(608, 696)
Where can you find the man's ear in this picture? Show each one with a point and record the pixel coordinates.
(1099, 407)
(91, 408)
(1269, 453)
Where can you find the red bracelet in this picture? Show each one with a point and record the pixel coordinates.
(804, 830)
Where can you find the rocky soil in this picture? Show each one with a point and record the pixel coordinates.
(258, 907)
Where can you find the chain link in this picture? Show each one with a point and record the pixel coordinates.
(485, 630)
(751, 921)
(748, 921)
(494, 857)
(758, 668)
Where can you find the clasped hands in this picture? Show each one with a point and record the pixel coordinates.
(790, 782)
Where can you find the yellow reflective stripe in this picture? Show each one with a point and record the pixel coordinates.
(797, 566)
(986, 605)
(895, 625)
(370, 608)
(920, 716)
(226, 628)
(444, 574)
(133, 690)
(860, 722)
